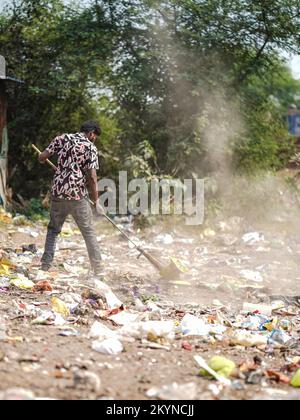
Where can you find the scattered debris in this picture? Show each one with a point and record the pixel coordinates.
(128, 325)
(174, 391)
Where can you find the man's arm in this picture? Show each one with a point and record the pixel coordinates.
(93, 184)
(52, 149)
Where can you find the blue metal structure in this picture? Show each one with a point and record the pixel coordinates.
(294, 124)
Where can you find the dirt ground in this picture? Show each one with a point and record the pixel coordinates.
(38, 359)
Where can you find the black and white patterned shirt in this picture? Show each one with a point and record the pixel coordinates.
(76, 156)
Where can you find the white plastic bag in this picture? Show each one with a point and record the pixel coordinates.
(101, 332)
(110, 346)
(160, 329)
(124, 317)
(262, 309)
(191, 325)
(111, 299)
(246, 339)
(252, 276)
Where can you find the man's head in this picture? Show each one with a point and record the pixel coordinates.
(91, 129)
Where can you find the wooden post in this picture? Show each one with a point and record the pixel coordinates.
(3, 141)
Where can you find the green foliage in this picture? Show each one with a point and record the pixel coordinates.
(59, 56)
(170, 67)
(143, 162)
(35, 210)
(161, 76)
(266, 145)
(147, 298)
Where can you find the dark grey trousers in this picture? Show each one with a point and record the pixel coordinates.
(83, 216)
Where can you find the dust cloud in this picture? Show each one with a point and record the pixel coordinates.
(220, 260)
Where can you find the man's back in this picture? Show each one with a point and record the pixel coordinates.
(76, 156)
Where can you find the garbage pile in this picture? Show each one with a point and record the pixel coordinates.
(237, 349)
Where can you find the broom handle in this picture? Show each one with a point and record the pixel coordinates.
(48, 161)
(149, 257)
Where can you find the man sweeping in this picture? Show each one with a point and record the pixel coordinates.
(76, 171)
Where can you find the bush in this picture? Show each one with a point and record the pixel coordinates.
(266, 145)
(35, 210)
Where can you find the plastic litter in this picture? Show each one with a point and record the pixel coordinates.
(69, 333)
(139, 305)
(101, 331)
(5, 267)
(202, 363)
(222, 366)
(123, 318)
(257, 308)
(22, 283)
(49, 318)
(5, 218)
(252, 276)
(152, 307)
(247, 339)
(174, 392)
(20, 221)
(165, 239)
(30, 248)
(253, 238)
(252, 322)
(295, 382)
(191, 325)
(110, 346)
(60, 307)
(17, 394)
(279, 338)
(42, 286)
(187, 346)
(64, 245)
(154, 329)
(104, 290)
(209, 233)
(2, 331)
(67, 303)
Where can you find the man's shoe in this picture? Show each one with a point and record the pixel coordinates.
(45, 268)
(97, 271)
(99, 274)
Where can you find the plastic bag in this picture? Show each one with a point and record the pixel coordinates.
(23, 284)
(111, 299)
(246, 339)
(60, 307)
(191, 325)
(295, 382)
(158, 329)
(224, 367)
(110, 346)
(101, 332)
